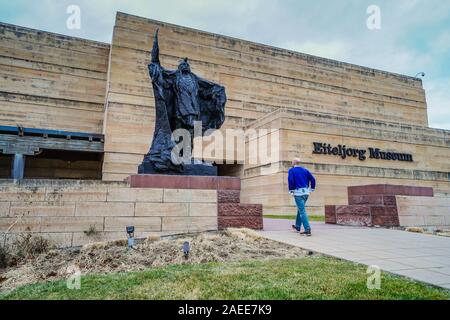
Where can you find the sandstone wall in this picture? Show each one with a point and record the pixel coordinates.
(298, 130)
(64, 211)
(259, 79)
(51, 81)
(54, 82)
(417, 211)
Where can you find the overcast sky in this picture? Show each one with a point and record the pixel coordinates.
(414, 34)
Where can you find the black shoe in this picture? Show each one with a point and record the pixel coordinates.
(295, 228)
(306, 233)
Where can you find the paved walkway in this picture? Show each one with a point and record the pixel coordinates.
(421, 257)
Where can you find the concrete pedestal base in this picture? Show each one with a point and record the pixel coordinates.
(231, 213)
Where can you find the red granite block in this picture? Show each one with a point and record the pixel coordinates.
(330, 214)
(387, 189)
(366, 190)
(426, 192)
(409, 191)
(330, 209)
(383, 211)
(365, 199)
(253, 222)
(239, 209)
(228, 196)
(354, 220)
(231, 213)
(389, 201)
(229, 183)
(375, 204)
(183, 182)
(158, 181)
(205, 183)
(353, 209)
(395, 189)
(386, 221)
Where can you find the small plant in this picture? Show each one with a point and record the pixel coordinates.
(91, 232)
(4, 257)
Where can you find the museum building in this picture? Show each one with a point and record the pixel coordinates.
(72, 108)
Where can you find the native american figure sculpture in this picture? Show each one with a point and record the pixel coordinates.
(181, 98)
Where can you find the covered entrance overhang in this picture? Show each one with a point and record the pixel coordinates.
(41, 153)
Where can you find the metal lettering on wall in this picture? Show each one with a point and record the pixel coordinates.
(362, 154)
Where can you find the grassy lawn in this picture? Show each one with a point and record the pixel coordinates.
(307, 278)
(288, 217)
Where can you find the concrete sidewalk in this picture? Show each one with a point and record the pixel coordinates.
(421, 257)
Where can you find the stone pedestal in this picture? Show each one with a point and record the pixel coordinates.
(372, 205)
(231, 212)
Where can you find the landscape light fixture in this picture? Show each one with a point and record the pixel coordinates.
(420, 74)
(130, 234)
(186, 249)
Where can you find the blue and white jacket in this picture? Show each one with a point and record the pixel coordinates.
(301, 181)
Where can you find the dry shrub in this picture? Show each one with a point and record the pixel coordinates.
(94, 246)
(210, 237)
(443, 233)
(25, 246)
(91, 232)
(120, 243)
(244, 234)
(415, 230)
(153, 238)
(28, 246)
(104, 245)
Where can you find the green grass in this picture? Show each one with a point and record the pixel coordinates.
(288, 217)
(307, 278)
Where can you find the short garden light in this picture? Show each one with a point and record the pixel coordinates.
(130, 234)
(186, 249)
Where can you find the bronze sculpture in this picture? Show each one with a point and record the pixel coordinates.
(181, 99)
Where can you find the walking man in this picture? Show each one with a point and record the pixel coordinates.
(301, 184)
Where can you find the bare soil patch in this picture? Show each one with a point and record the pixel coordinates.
(111, 257)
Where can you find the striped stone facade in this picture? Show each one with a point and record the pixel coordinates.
(57, 82)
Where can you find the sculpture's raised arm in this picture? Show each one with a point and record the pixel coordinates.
(155, 50)
(155, 69)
